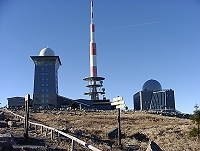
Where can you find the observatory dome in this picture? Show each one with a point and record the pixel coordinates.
(151, 85)
(46, 52)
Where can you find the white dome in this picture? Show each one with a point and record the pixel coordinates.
(151, 85)
(46, 52)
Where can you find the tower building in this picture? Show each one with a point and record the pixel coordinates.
(95, 83)
(45, 91)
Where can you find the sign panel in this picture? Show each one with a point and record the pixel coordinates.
(119, 98)
(118, 103)
(120, 106)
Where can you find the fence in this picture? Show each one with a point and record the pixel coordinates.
(53, 130)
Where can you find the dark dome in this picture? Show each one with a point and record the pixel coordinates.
(151, 85)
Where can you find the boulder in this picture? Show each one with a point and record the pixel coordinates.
(5, 146)
(2, 116)
(3, 124)
(12, 123)
(113, 133)
(7, 138)
(153, 147)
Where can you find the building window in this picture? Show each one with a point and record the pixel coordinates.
(42, 68)
(42, 90)
(42, 84)
(42, 101)
(46, 68)
(47, 95)
(47, 101)
(42, 73)
(46, 73)
(42, 79)
(46, 90)
(42, 95)
(47, 79)
(47, 85)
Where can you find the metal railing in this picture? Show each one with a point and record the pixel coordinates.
(54, 130)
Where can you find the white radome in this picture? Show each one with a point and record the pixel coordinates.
(46, 52)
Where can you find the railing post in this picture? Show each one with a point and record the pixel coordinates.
(51, 134)
(35, 127)
(58, 137)
(41, 129)
(46, 132)
(72, 145)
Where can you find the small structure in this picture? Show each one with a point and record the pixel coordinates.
(15, 102)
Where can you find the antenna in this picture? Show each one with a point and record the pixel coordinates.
(94, 82)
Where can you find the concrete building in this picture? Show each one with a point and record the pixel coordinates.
(45, 92)
(153, 97)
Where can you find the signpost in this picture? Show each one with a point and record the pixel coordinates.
(27, 99)
(119, 103)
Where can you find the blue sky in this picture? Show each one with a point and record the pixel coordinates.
(137, 40)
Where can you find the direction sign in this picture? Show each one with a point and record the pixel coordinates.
(120, 106)
(119, 98)
(118, 103)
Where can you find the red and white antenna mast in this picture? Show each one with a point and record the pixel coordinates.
(93, 52)
(94, 82)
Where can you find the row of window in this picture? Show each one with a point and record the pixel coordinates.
(47, 95)
(45, 101)
(45, 79)
(44, 68)
(45, 84)
(45, 90)
(45, 74)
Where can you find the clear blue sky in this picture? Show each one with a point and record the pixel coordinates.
(137, 40)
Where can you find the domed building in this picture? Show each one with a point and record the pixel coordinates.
(153, 97)
(45, 89)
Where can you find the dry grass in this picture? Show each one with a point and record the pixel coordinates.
(169, 133)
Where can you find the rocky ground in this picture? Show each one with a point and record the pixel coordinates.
(138, 128)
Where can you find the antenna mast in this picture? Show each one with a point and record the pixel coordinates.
(94, 81)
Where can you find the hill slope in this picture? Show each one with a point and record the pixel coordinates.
(138, 128)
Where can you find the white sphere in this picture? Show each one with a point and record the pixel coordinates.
(46, 52)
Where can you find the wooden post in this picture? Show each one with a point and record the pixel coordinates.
(35, 127)
(58, 137)
(51, 134)
(26, 119)
(46, 132)
(119, 129)
(72, 145)
(41, 129)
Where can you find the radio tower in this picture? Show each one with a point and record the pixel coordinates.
(95, 83)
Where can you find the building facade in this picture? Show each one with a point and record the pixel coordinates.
(45, 91)
(153, 97)
(15, 102)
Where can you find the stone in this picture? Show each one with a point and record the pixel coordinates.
(3, 124)
(78, 133)
(5, 146)
(7, 138)
(12, 123)
(153, 147)
(113, 133)
(2, 116)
